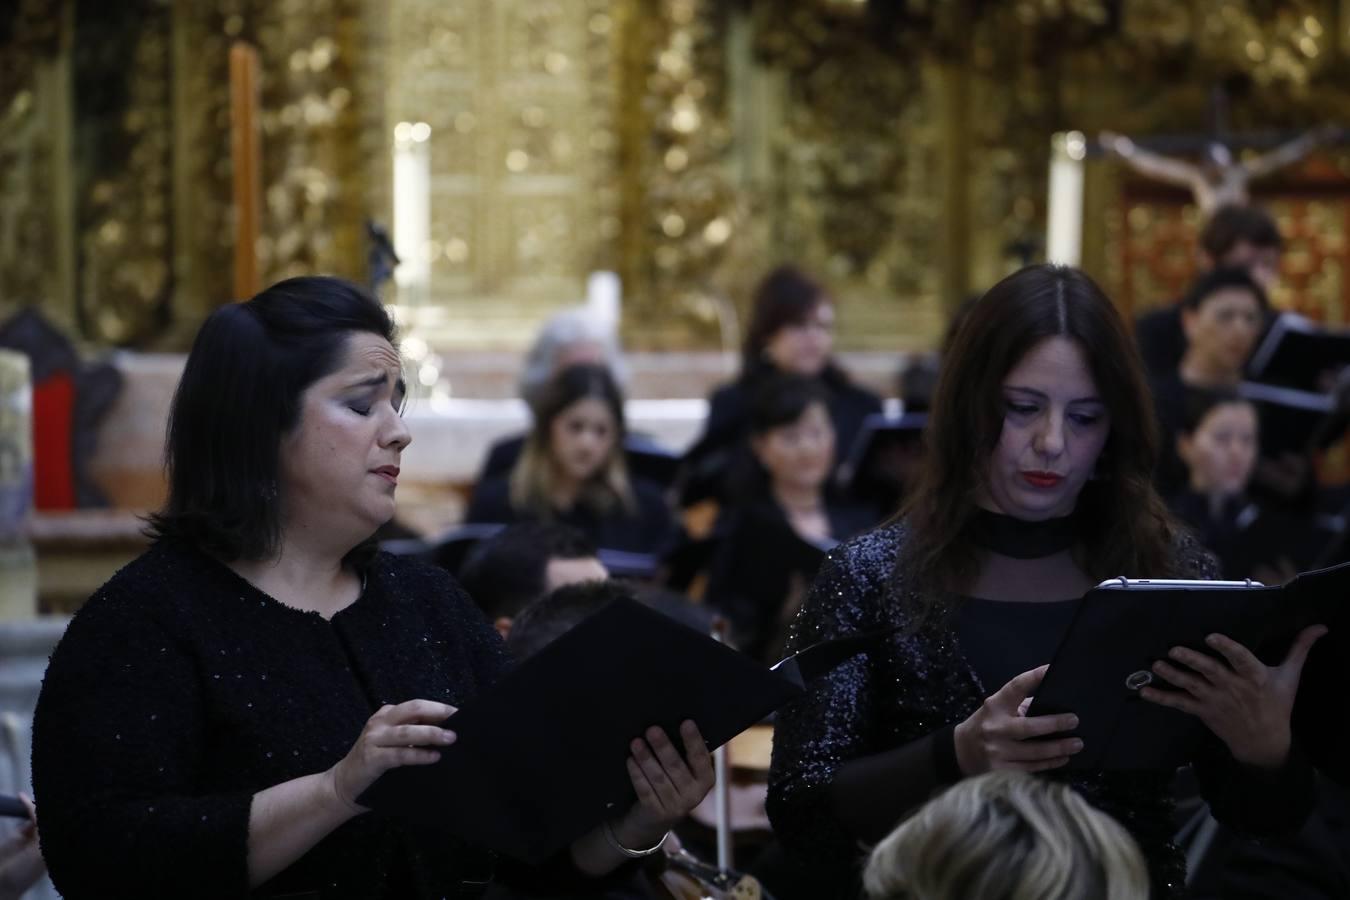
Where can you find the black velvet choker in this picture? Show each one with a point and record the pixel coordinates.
(1021, 539)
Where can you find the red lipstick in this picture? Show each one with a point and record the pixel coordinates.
(1042, 479)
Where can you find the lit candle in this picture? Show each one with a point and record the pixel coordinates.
(1064, 225)
(412, 211)
(604, 297)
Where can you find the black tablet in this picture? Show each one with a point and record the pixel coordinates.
(1124, 625)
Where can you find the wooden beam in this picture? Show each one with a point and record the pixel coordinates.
(246, 160)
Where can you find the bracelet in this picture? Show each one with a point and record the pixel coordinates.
(631, 854)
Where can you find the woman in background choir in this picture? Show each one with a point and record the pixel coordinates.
(215, 711)
(1219, 443)
(772, 539)
(1222, 316)
(791, 331)
(1036, 487)
(572, 470)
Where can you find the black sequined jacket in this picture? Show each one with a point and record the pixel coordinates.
(921, 683)
(180, 690)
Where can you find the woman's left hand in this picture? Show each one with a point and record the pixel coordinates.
(668, 785)
(1246, 703)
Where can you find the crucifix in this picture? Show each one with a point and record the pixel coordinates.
(1219, 178)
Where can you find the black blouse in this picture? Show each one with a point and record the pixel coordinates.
(908, 695)
(650, 529)
(180, 690)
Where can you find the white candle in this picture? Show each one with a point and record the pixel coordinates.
(604, 297)
(412, 211)
(1064, 217)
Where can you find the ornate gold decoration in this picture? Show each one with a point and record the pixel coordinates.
(123, 177)
(520, 98)
(30, 136)
(683, 213)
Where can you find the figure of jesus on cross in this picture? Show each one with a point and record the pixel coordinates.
(1220, 179)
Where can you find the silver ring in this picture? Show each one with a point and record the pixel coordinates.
(1136, 680)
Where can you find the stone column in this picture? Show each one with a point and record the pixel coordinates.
(18, 571)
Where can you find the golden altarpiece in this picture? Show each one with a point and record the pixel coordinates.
(897, 147)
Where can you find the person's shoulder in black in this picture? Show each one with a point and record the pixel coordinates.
(1161, 340)
(502, 456)
(850, 405)
(1170, 399)
(648, 528)
(491, 502)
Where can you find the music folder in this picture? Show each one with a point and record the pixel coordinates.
(1296, 352)
(877, 430)
(540, 755)
(1290, 419)
(1121, 628)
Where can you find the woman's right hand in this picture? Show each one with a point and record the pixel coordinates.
(1000, 736)
(402, 735)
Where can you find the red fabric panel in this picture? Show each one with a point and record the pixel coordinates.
(53, 418)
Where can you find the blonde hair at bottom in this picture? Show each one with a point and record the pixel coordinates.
(1007, 836)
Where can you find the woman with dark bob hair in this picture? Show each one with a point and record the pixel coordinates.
(573, 470)
(1036, 487)
(215, 710)
(791, 331)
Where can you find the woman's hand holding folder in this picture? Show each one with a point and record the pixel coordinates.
(1246, 703)
(999, 735)
(404, 735)
(668, 785)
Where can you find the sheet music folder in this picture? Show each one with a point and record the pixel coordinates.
(1120, 630)
(540, 756)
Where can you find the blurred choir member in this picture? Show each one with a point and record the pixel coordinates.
(572, 470)
(1007, 836)
(771, 541)
(1222, 315)
(791, 331)
(1243, 237)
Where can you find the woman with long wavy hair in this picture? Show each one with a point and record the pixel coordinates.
(1037, 486)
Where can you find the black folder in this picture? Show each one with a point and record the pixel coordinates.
(1121, 628)
(540, 756)
(877, 431)
(1296, 351)
(1290, 419)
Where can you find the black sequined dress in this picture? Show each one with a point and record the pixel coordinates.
(905, 699)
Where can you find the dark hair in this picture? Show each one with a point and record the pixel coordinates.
(1219, 278)
(549, 618)
(786, 296)
(1124, 526)
(509, 570)
(532, 477)
(1199, 403)
(782, 399)
(240, 393)
(1231, 225)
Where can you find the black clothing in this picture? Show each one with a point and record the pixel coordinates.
(893, 711)
(650, 530)
(1313, 864)
(1012, 537)
(1003, 638)
(645, 457)
(721, 458)
(761, 565)
(1246, 535)
(1171, 397)
(1161, 339)
(180, 690)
